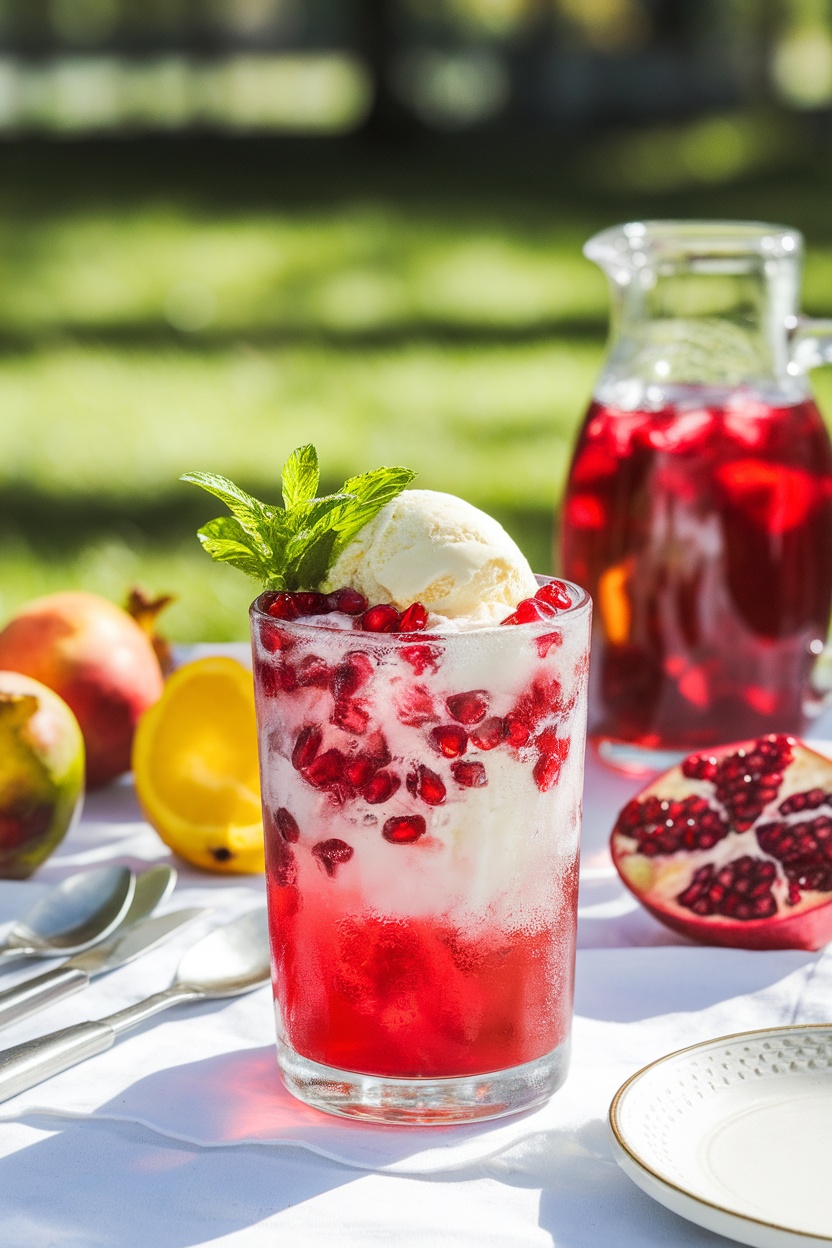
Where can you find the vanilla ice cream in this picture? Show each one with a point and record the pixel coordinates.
(436, 549)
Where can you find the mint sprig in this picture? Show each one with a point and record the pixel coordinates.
(294, 546)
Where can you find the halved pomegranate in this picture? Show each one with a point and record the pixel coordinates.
(734, 846)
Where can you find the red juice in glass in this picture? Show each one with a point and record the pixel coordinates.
(703, 530)
(422, 800)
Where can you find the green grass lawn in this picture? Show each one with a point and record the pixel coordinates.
(198, 311)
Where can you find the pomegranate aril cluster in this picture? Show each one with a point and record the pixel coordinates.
(743, 784)
(664, 827)
(747, 781)
(549, 601)
(382, 617)
(742, 889)
(804, 849)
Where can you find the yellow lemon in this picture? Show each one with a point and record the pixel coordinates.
(195, 766)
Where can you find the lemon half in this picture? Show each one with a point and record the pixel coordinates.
(195, 767)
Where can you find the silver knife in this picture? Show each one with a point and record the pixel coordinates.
(73, 975)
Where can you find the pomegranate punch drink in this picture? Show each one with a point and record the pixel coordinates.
(422, 717)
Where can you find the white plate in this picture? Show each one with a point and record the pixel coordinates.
(736, 1135)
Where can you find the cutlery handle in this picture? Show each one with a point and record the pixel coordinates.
(36, 993)
(25, 1065)
(13, 953)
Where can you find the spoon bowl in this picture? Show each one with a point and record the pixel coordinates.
(228, 961)
(152, 887)
(73, 915)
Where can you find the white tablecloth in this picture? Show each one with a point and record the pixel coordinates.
(182, 1135)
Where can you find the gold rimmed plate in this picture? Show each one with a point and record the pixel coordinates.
(735, 1134)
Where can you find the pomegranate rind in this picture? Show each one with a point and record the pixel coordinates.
(657, 880)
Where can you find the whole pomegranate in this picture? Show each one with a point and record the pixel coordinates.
(41, 773)
(734, 846)
(100, 662)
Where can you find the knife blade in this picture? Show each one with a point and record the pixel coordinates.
(74, 974)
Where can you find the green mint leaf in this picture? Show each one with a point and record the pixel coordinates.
(300, 476)
(227, 541)
(295, 546)
(249, 511)
(312, 563)
(381, 485)
(372, 491)
(324, 513)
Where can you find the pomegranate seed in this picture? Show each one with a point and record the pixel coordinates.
(469, 775)
(285, 678)
(351, 716)
(284, 607)
(468, 708)
(546, 771)
(359, 770)
(425, 784)
(270, 638)
(381, 619)
(490, 733)
(340, 792)
(349, 601)
(549, 742)
(310, 603)
(325, 769)
(306, 747)
(414, 619)
(699, 767)
(544, 644)
(541, 699)
(287, 824)
(332, 853)
(381, 787)
(555, 594)
(283, 868)
(354, 671)
(517, 733)
(404, 829)
(375, 748)
(530, 611)
(449, 740)
(312, 671)
(552, 752)
(422, 657)
(415, 707)
(267, 679)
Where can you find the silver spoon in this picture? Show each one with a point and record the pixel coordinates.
(72, 916)
(229, 961)
(49, 987)
(152, 887)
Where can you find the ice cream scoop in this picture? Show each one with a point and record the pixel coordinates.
(436, 549)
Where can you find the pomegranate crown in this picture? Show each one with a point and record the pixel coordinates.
(293, 547)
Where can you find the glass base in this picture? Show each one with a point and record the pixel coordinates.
(423, 1102)
(637, 759)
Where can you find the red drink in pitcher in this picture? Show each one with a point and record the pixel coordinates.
(703, 531)
(698, 508)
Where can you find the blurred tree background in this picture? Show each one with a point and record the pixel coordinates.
(231, 226)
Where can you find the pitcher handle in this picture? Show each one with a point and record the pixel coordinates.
(809, 342)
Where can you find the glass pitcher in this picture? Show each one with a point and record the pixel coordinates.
(698, 508)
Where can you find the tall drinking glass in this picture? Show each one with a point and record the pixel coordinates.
(422, 810)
